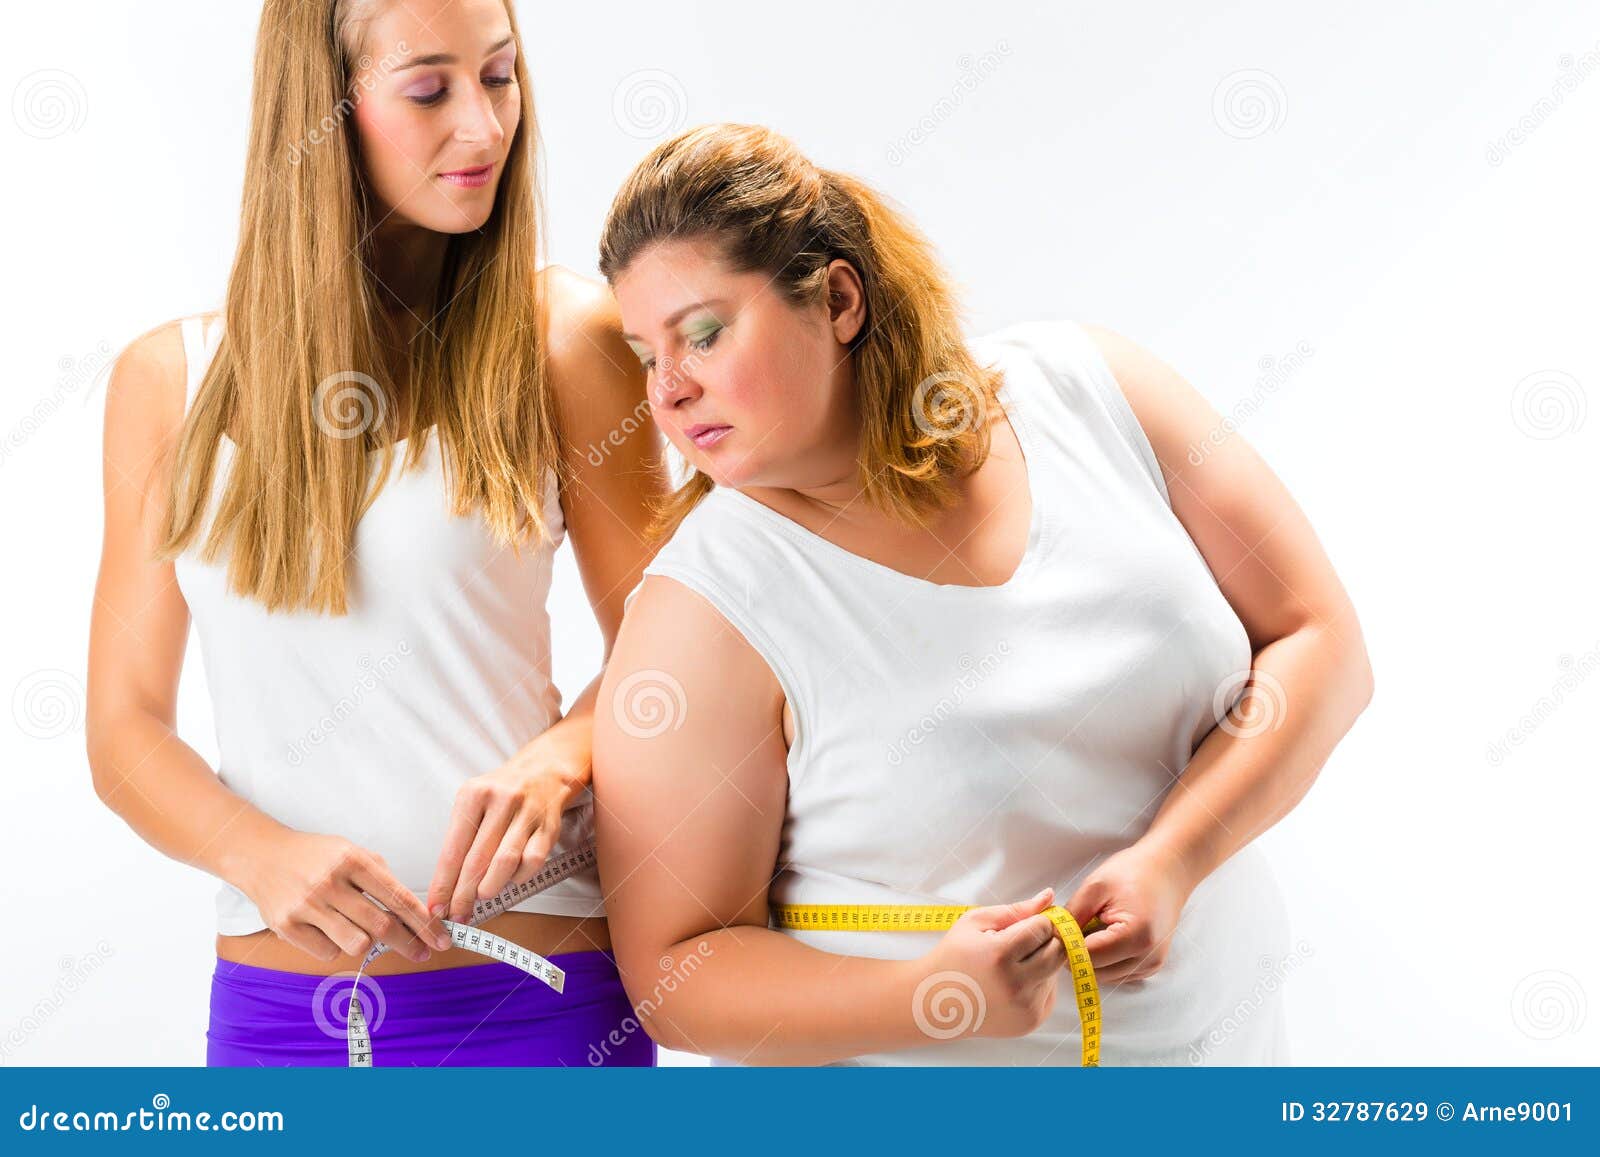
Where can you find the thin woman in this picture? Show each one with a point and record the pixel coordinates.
(373, 624)
(940, 622)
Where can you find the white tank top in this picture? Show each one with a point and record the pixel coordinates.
(970, 745)
(364, 725)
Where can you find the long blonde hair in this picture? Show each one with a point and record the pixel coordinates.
(768, 209)
(301, 345)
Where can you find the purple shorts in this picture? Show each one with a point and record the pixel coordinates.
(476, 1015)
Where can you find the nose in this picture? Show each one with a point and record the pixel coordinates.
(477, 123)
(673, 384)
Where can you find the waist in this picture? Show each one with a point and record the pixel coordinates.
(546, 934)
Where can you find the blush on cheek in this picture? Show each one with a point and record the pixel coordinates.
(393, 148)
(389, 135)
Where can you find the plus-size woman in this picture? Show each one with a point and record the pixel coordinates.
(942, 621)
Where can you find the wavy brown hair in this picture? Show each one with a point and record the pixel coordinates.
(764, 207)
(302, 328)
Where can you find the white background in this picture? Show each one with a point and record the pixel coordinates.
(1395, 185)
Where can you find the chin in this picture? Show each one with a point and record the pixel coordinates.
(462, 223)
(464, 218)
(733, 475)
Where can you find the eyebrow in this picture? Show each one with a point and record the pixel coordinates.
(678, 316)
(446, 58)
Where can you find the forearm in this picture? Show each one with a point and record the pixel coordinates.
(171, 798)
(1247, 775)
(568, 743)
(760, 997)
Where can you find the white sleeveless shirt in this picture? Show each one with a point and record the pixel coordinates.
(364, 725)
(970, 745)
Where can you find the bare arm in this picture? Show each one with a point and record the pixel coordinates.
(614, 454)
(140, 622)
(691, 807)
(1311, 677)
(688, 828)
(505, 822)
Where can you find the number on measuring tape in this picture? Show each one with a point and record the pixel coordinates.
(936, 918)
(358, 1037)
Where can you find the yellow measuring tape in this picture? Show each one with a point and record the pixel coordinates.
(938, 917)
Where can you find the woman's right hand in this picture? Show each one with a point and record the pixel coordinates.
(317, 892)
(1010, 953)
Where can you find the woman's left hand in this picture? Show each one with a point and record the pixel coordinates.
(1138, 893)
(502, 828)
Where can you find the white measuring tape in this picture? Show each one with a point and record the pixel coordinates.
(474, 939)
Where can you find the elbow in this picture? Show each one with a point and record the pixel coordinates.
(1366, 685)
(1356, 681)
(104, 736)
(1359, 665)
(655, 1018)
(661, 1030)
(1345, 659)
(95, 743)
(655, 983)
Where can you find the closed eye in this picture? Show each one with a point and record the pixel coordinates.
(428, 100)
(699, 344)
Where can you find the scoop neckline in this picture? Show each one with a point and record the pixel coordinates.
(1036, 516)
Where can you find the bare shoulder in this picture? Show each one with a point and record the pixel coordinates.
(1126, 357)
(146, 396)
(573, 299)
(595, 376)
(1168, 408)
(583, 319)
(676, 648)
(670, 624)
